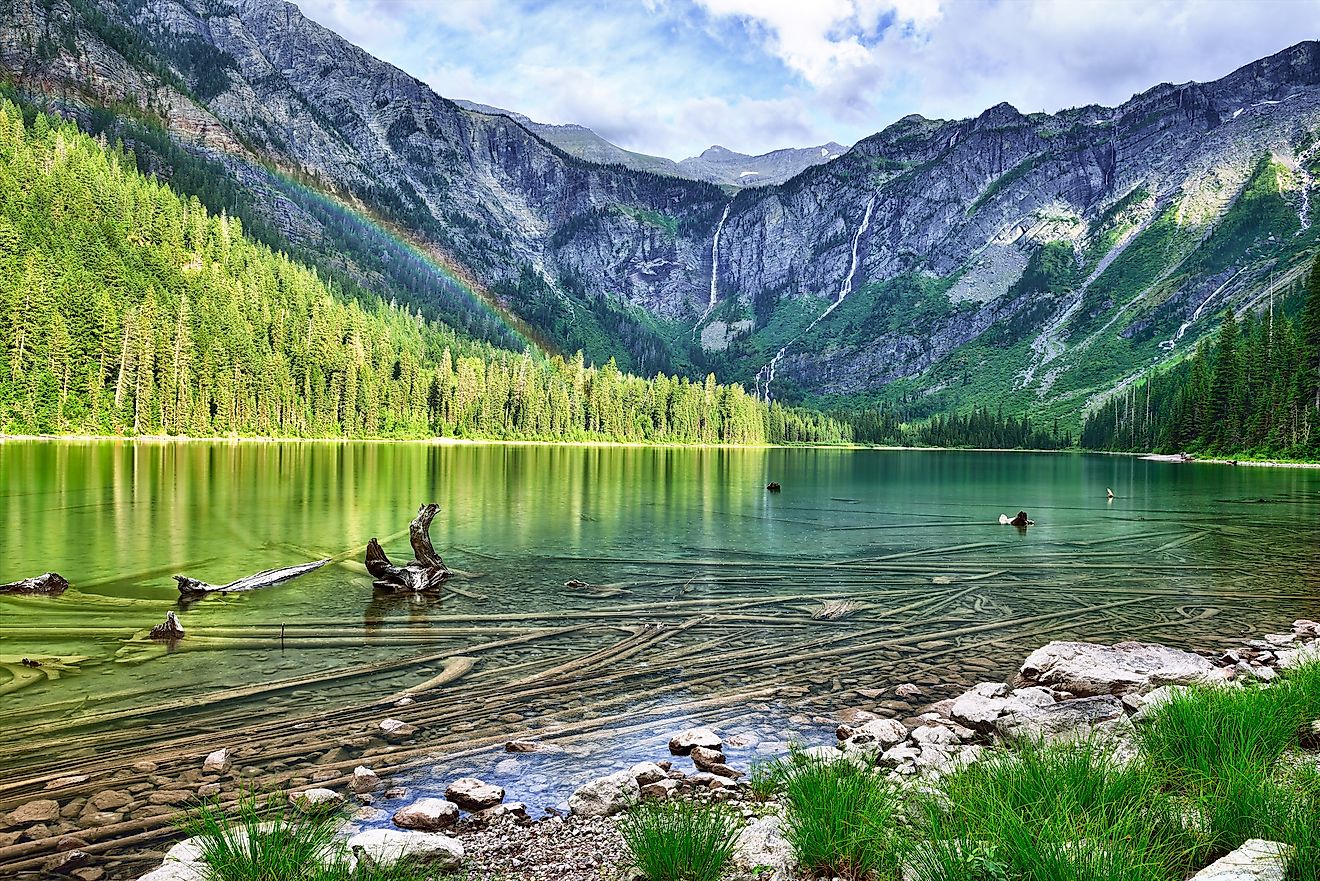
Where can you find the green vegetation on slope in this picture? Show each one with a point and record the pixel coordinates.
(1254, 391)
(129, 309)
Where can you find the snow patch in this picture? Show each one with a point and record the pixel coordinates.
(747, 173)
(824, 152)
(1238, 112)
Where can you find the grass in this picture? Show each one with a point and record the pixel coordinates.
(679, 840)
(840, 817)
(1051, 812)
(265, 839)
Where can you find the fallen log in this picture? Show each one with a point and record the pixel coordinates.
(424, 574)
(49, 584)
(191, 587)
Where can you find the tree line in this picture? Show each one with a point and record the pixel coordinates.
(1252, 391)
(129, 309)
(981, 428)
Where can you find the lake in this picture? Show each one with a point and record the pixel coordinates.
(700, 604)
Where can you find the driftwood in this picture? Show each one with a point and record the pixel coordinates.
(169, 629)
(271, 577)
(50, 584)
(423, 574)
(773, 487)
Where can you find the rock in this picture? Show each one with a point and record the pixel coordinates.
(175, 872)
(208, 790)
(1070, 719)
(722, 770)
(427, 815)
(660, 788)
(377, 848)
(364, 780)
(980, 706)
(934, 734)
(885, 732)
(1148, 703)
(1296, 657)
(514, 810)
(50, 584)
(316, 800)
(67, 781)
(907, 689)
(1088, 669)
(395, 730)
(110, 800)
(704, 757)
(65, 863)
(605, 796)
(647, 772)
(217, 762)
(682, 744)
(854, 717)
(187, 851)
(42, 810)
(1306, 627)
(762, 849)
(472, 794)
(1255, 860)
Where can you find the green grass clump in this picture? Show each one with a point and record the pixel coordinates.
(1062, 811)
(840, 817)
(680, 840)
(266, 839)
(1203, 733)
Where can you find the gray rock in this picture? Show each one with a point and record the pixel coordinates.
(395, 730)
(217, 762)
(376, 848)
(472, 794)
(705, 758)
(605, 796)
(1088, 669)
(1071, 719)
(763, 850)
(1255, 860)
(682, 744)
(647, 772)
(41, 810)
(427, 815)
(364, 780)
(660, 788)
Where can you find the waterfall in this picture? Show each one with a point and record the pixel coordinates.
(766, 375)
(1304, 211)
(714, 268)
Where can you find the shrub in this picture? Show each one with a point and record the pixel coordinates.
(679, 840)
(839, 818)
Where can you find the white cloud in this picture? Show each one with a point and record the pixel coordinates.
(674, 76)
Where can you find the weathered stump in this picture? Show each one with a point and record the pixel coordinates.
(170, 629)
(424, 574)
(50, 584)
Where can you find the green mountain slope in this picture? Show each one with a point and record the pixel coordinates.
(130, 309)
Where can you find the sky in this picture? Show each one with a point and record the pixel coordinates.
(672, 77)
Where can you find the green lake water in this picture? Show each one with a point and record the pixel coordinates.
(704, 585)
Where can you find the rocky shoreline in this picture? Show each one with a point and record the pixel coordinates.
(1062, 691)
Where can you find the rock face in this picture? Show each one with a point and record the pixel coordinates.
(427, 815)
(1255, 860)
(1085, 669)
(969, 205)
(1076, 718)
(384, 847)
(365, 780)
(472, 794)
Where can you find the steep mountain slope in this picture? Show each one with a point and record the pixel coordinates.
(1032, 260)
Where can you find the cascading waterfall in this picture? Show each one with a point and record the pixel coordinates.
(1304, 211)
(766, 375)
(714, 268)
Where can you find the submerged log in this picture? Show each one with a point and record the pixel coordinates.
(50, 584)
(773, 487)
(425, 573)
(169, 629)
(192, 587)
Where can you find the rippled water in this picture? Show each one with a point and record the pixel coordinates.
(703, 588)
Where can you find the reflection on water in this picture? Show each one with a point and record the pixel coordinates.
(701, 586)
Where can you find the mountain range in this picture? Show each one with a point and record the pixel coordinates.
(716, 164)
(1034, 261)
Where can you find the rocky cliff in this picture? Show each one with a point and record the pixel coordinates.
(1035, 260)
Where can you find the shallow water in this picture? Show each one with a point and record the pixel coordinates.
(685, 540)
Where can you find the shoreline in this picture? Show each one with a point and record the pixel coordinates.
(1172, 459)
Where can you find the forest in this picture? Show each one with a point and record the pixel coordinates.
(1253, 391)
(131, 310)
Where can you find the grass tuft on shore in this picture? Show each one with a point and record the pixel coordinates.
(840, 817)
(1050, 811)
(678, 840)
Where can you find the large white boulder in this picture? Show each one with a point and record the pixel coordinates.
(1086, 668)
(384, 847)
(681, 744)
(1255, 860)
(472, 794)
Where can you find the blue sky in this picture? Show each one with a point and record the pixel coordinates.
(672, 77)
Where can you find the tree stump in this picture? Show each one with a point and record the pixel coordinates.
(169, 630)
(50, 584)
(424, 574)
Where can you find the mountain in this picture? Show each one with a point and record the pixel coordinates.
(1030, 261)
(716, 165)
(723, 166)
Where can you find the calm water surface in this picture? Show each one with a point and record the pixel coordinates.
(703, 586)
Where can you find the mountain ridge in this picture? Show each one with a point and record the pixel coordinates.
(1030, 260)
